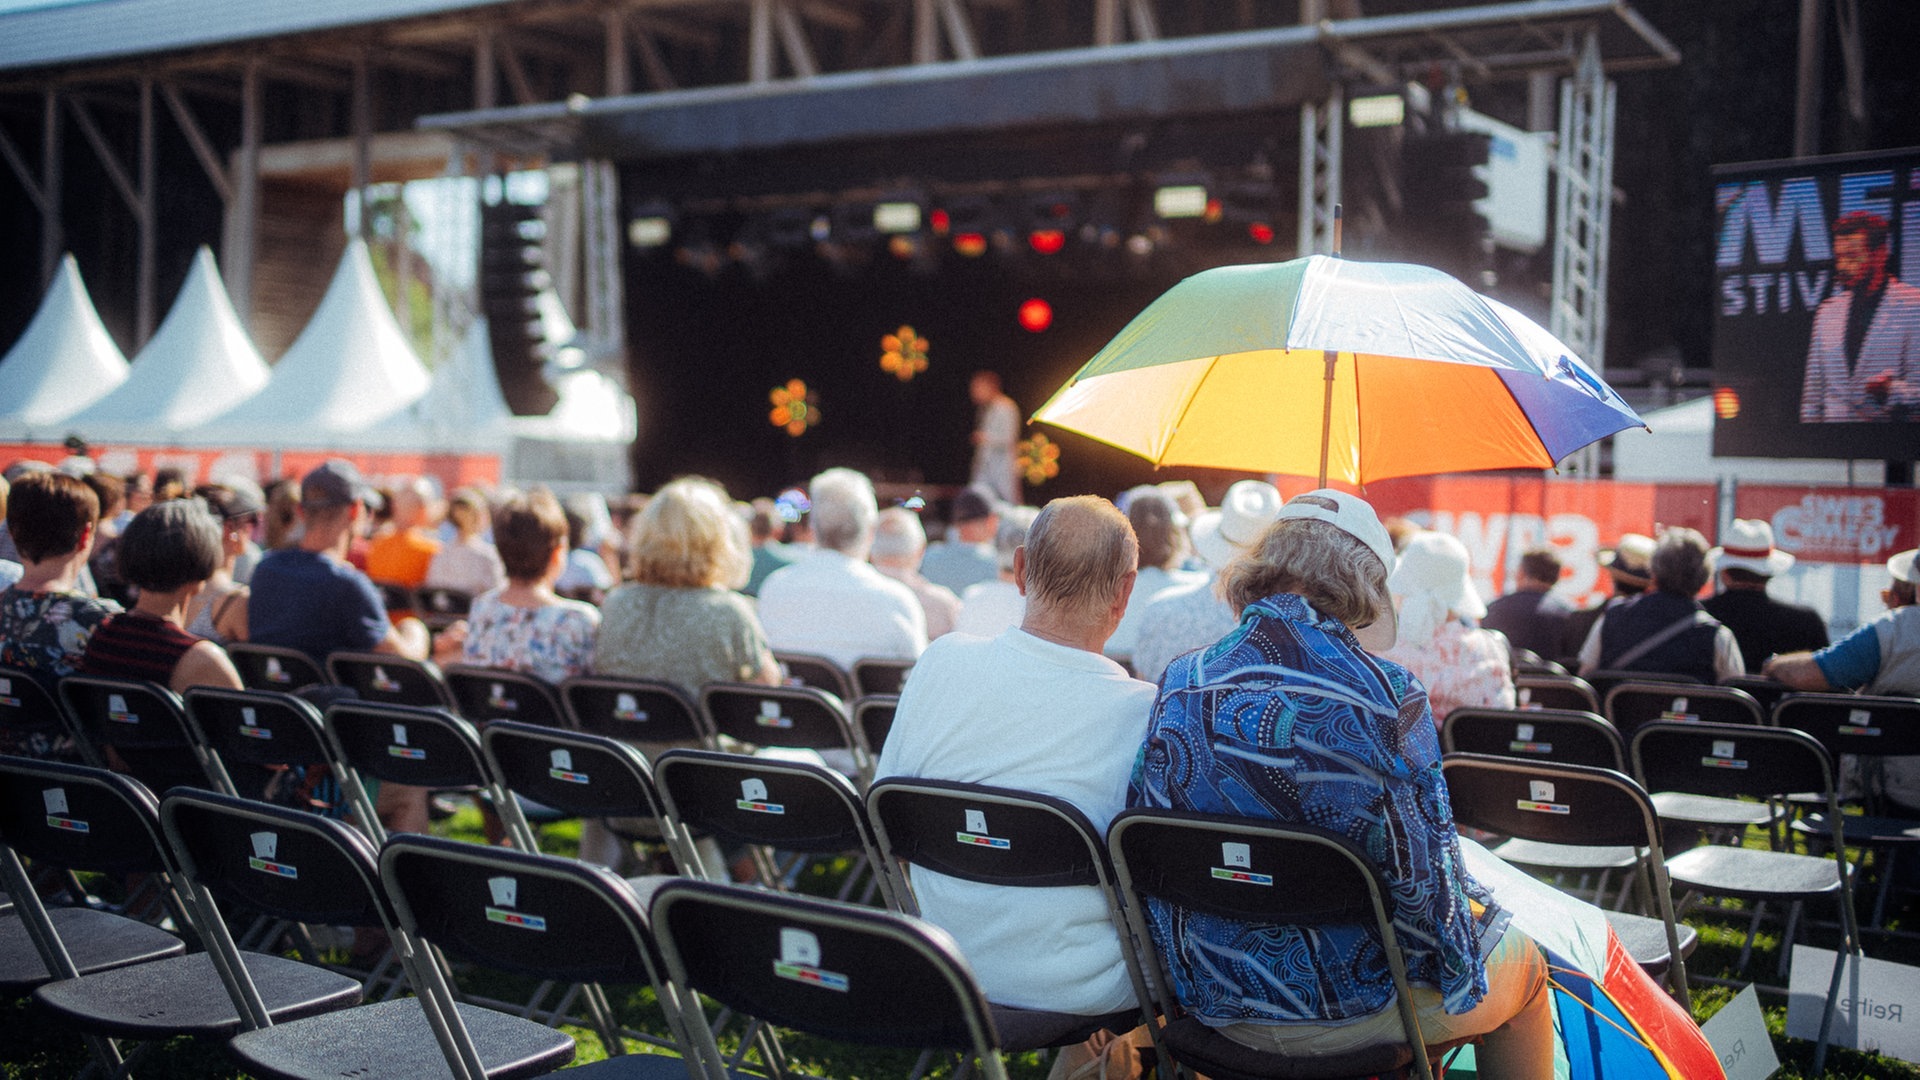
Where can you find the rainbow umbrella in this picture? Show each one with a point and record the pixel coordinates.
(1351, 371)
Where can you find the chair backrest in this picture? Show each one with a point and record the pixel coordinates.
(578, 774)
(396, 597)
(257, 727)
(1558, 735)
(637, 710)
(875, 675)
(442, 607)
(1854, 723)
(1605, 679)
(271, 667)
(873, 715)
(1569, 692)
(787, 805)
(427, 748)
(829, 969)
(286, 863)
(1767, 692)
(784, 716)
(992, 835)
(28, 710)
(1528, 662)
(1551, 803)
(1630, 704)
(1729, 760)
(391, 680)
(482, 695)
(144, 724)
(77, 817)
(819, 672)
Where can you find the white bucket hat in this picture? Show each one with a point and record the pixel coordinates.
(1433, 578)
(1220, 534)
(1902, 567)
(1748, 545)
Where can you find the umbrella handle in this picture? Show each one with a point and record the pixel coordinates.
(1326, 416)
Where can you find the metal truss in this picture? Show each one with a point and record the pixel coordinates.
(1583, 219)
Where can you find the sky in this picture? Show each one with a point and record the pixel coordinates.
(8, 7)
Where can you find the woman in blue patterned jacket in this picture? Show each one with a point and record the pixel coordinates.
(1291, 717)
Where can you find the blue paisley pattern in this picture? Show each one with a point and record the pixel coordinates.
(1287, 718)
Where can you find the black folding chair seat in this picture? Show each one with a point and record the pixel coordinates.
(819, 672)
(394, 1038)
(643, 711)
(271, 667)
(391, 680)
(1645, 939)
(1033, 1029)
(483, 695)
(96, 940)
(184, 996)
(1752, 874)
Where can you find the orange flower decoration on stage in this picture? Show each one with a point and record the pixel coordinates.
(794, 408)
(904, 354)
(1039, 458)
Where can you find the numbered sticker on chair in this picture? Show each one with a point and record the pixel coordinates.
(384, 682)
(1523, 741)
(1539, 799)
(1724, 756)
(1238, 858)
(506, 894)
(276, 673)
(771, 716)
(753, 798)
(976, 834)
(1677, 710)
(497, 699)
(1524, 697)
(250, 724)
(560, 766)
(58, 816)
(627, 707)
(118, 712)
(399, 747)
(1860, 722)
(800, 960)
(265, 856)
(7, 700)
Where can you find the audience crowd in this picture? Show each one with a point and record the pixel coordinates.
(1263, 658)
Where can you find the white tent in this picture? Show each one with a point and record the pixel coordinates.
(1679, 449)
(64, 362)
(348, 382)
(198, 365)
(463, 407)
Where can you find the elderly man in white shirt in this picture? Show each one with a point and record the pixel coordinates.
(831, 602)
(1038, 709)
(899, 541)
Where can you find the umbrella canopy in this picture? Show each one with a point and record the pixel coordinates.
(1351, 371)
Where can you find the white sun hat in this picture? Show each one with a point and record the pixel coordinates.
(1222, 533)
(1748, 545)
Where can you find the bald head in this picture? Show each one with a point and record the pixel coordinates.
(1079, 553)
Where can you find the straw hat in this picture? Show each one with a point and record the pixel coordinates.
(1631, 559)
(1243, 515)
(1749, 546)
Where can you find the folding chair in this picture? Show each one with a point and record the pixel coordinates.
(1568, 692)
(304, 868)
(1307, 877)
(767, 803)
(1528, 662)
(583, 775)
(92, 820)
(145, 725)
(33, 722)
(1576, 805)
(634, 710)
(1732, 761)
(396, 597)
(873, 715)
(789, 717)
(270, 667)
(266, 730)
(1630, 704)
(839, 972)
(95, 940)
(391, 680)
(1870, 729)
(819, 672)
(441, 607)
(1767, 692)
(539, 915)
(482, 695)
(874, 675)
(1561, 736)
(1606, 679)
(426, 748)
(1013, 839)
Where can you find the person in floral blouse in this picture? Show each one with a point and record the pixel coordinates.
(1461, 666)
(524, 625)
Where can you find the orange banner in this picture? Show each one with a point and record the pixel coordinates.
(199, 465)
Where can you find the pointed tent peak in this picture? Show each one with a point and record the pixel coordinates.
(64, 361)
(464, 406)
(350, 370)
(199, 364)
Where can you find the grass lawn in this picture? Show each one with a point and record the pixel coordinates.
(30, 1047)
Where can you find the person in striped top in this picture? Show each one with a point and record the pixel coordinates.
(167, 552)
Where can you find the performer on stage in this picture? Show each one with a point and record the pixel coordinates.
(1863, 363)
(996, 436)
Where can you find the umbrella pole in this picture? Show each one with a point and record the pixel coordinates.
(1326, 417)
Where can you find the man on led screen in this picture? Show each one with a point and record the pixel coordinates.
(1863, 364)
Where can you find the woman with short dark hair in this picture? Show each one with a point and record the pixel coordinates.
(167, 552)
(524, 625)
(45, 620)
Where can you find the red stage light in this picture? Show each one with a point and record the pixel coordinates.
(940, 221)
(1260, 232)
(1046, 241)
(971, 244)
(1036, 315)
(1726, 403)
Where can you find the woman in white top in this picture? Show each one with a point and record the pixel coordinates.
(470, 563)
